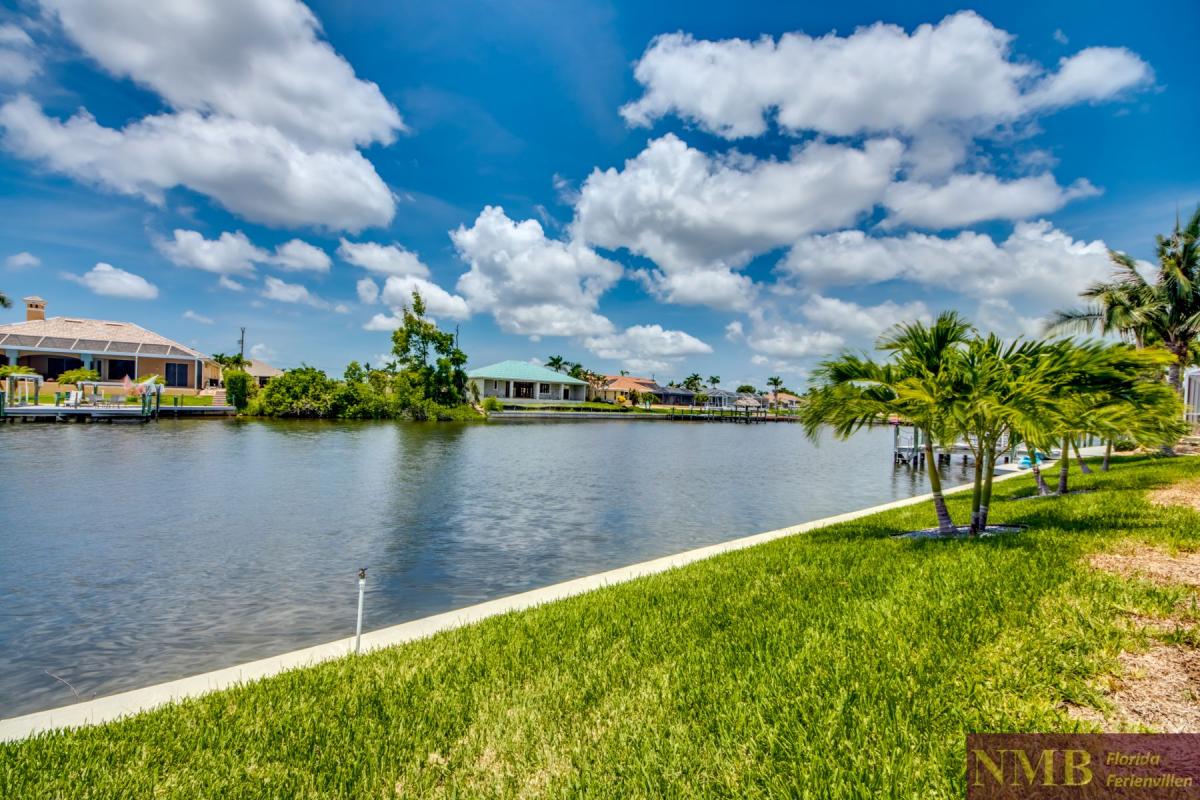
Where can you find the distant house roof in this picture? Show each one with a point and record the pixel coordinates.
(782, 397)
(522, 371)
(747, 401)
(624, 383)
(261, 369)
(716, 392)
(95, 336)
(673, 391)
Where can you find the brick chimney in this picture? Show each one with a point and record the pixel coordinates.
(35, 308)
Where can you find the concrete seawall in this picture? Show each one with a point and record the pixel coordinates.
(120, 705)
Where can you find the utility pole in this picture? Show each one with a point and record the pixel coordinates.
(242, 344)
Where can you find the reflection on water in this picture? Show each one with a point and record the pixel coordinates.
(137, 554)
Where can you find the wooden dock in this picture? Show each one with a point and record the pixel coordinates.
(119, 414)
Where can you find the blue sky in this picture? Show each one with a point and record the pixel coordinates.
(661, 187)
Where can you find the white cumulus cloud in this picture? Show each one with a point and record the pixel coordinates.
(532, 285)
(642, 346)
(398, 291)
(22, 260)
(964, 200)
(252, 170)
(368, 291)
(960, 73)
(263, 115)
(261, 61)
(300, 256)
(700, 217)
(109, 281)
(228, 254)
(197, 317)
(382, 259)
(283, 292)
(1037, 263)
(18, 63)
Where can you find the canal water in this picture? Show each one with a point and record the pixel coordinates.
(134, 554)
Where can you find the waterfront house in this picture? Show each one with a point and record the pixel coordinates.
(261, 371)
(720, 398)
(618, 386)
(523, 382)
(116, 350)
(785, 401)
(674, 395)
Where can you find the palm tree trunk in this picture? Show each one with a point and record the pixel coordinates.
(1175, 371)
(1107, 455)
(1043, 489)
(1064, 465)
(976, 495)
(989, 473)
(945, 522)
(1083, 468)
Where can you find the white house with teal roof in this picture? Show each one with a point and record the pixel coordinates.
(523, 382)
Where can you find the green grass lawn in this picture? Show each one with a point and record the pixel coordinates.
(841, 663)
(184, 400)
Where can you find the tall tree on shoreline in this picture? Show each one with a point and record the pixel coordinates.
(556, 363)
(430, 355)
(1165, 310)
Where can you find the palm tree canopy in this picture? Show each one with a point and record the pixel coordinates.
(1162, 310)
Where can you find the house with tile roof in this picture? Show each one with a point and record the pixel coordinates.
(618, 386)
(523, 382)
(781, 400)
(116, 350)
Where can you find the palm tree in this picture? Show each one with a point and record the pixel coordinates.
(4, 301)
(1163, 311)
(556, 363)
(775, 382)
(693, 382)
(713, 380)
(917, 385)
(231, 362)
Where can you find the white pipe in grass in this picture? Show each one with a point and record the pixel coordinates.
(362, 585)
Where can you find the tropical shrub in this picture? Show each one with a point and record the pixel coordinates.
(305, 392)
(15, 369)
(240, 386)
(492, 404)
(73, 376)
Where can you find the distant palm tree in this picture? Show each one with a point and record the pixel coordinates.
(745, 388)
(4, 301)
(713, 380)
(556, 363)
(1165, 310)
(776, 383)
(693, 382)
(235, 361)
(623, 373)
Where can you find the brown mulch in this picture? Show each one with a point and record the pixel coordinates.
(1159, 688)
(1156, 565)
(1184, 493)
